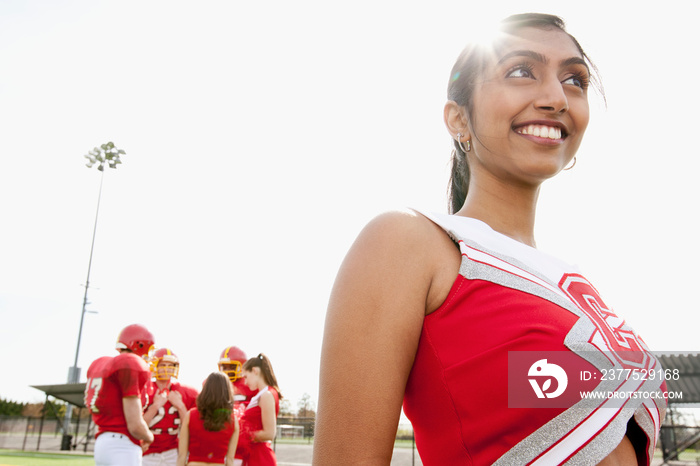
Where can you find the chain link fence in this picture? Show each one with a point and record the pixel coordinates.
(40, 434)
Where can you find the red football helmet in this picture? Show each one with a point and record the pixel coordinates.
(136, 338)
(231, 362)
(171, 368)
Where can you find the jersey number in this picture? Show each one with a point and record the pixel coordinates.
(92, 390)
(159, 417)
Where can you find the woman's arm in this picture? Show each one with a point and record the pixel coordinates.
(375, 315)
(233, 443)
(269, 419)
(183, 441)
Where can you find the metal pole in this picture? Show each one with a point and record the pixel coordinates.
(413, 446)
(87, 433)
(87, 281)
(74, 372)
(26, 431)
(41, 425)
(76, 436)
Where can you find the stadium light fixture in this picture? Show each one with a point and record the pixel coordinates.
(107, 154)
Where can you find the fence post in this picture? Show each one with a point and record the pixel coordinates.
(87, 432)
(41, 430)
(26, 433)
(413, 447)
(77, 430)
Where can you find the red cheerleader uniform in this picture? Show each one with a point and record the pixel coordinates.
(256, 453)
(206, 445)
(504, 365)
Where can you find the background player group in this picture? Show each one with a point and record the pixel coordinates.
(145, 416)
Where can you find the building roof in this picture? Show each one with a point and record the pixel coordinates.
(688, 380)
(73, 393)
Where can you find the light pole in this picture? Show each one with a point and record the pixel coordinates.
(108, 155)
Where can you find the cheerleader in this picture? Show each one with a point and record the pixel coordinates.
(209, 432)
(259, 421)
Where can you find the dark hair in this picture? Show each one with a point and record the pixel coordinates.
(263, 362)
(215, 402)
(469, 67)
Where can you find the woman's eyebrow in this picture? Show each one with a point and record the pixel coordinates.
(541, 58)
(524, 53)
(574, 61)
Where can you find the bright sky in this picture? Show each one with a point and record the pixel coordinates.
(260, 137)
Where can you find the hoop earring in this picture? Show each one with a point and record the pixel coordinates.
(572, 165)
(459, 141)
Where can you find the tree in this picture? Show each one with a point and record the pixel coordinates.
(286, 408)
(306, 406)
(56, 410)
(10, 408)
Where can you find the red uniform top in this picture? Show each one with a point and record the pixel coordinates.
(109, 380)
(165, 425)
(256, 453)
(205, 445)
(501, 366)
(243, 394)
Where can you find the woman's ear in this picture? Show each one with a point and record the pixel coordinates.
(456, 120)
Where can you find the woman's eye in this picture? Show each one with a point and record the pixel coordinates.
(578, 81)
(520, 72)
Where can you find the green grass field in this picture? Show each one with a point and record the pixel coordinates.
(26, 458)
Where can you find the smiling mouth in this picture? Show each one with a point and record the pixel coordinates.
(541, 131)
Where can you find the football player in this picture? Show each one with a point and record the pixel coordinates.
(113, 394)
(167, 402)
(231, 363)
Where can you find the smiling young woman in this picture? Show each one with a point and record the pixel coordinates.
(459, 317)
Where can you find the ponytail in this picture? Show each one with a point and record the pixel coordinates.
(263, 363)
(459, 180)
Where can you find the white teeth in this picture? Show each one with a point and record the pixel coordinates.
(541, 131)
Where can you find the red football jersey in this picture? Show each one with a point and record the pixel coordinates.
(109, 380)
(243, 394)
(166, 423)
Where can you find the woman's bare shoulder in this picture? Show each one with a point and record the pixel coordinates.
(406, 244)
(408, 230)
(403, 225)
